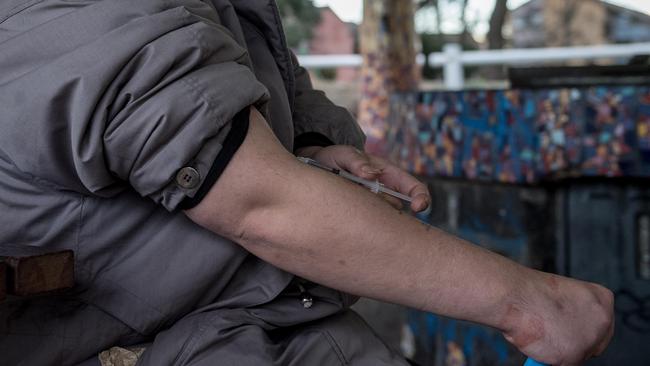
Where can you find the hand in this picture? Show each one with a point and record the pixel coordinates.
(561, 321)
(372, 167)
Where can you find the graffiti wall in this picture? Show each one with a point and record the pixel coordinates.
(531, 136)
(520, 136)
(511, 220)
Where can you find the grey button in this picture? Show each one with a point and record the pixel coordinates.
(188, 178)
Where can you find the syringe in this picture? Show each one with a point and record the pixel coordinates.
(374, 186)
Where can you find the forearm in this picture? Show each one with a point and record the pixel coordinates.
(320, 227)
(342, 236)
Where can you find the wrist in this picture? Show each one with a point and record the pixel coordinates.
(515, 303)
(524, 319)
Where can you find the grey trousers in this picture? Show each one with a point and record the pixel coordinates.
(61, 331)
(281, 332)
(221, 339)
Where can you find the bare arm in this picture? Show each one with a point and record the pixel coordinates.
(325, 229)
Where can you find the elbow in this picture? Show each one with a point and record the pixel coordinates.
(258, 229)
(231, 213)
(252, 215)
(253, 184)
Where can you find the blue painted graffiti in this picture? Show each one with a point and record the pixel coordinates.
(430, 329)
(520, 136)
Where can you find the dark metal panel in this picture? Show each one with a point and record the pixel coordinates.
(604, 231)
(515, 221)
(594, 233)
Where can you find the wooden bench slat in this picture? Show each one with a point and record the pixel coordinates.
(32, 270)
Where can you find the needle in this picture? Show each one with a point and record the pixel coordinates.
(374, 186)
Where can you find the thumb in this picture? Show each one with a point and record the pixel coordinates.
(357, 163)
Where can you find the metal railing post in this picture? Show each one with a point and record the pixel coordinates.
(453, 73)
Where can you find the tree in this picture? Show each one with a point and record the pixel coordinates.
(388, 49)
(438, 5)
(434, 42)
(497, 20)
(298, 18)
(435, 5)
(495, 38)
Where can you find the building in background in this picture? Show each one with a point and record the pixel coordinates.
(625, 25)
(331, 36)
(560, 23)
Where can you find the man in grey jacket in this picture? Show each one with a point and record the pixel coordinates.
(155, 139)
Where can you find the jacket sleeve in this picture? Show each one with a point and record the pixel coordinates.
(121, 94)
(318, 121)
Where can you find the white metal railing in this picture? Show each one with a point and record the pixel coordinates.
(325, 61)
(453, 58)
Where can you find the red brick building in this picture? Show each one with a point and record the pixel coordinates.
(334, 36)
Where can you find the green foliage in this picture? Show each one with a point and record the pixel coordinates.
(327, 74)
(432, 42)
(299, 18)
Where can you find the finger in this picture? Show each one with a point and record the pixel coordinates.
(408, 185)
(420, 202)
(356, 162)
(404, 183)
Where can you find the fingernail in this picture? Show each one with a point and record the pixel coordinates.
(370, 170)
(422, 205)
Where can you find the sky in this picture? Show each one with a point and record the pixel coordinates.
(479, 10)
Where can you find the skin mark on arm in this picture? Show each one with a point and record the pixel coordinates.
(426, 226)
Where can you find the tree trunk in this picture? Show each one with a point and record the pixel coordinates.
(495, 37)
(388, 49)
(498, 18)
(465, 33)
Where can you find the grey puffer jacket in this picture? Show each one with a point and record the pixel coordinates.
(103, 103)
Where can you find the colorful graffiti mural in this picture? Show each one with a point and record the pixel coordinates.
(525, 136)
(458, 343)
(511, 220)
(520, 136)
